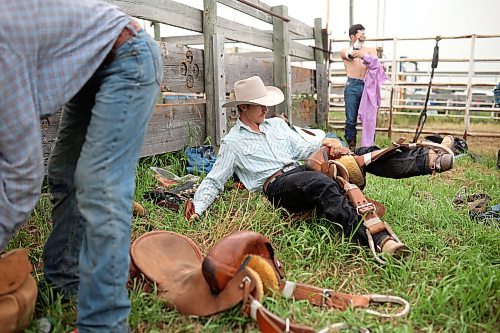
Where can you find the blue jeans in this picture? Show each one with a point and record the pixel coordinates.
(352, 97)
(91, 174)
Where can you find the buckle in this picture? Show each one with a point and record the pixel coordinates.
(366, 208)
(287, 168)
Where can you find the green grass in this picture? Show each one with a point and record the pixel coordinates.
(451, 278)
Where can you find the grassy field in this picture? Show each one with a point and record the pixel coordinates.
(451, 277)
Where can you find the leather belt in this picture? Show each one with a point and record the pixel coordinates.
(130, 30)
(278, 173)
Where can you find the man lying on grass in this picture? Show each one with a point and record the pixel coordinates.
(264, 154)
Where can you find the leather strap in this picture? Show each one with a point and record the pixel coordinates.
(130, 30)
(268, 322)
(327, 297)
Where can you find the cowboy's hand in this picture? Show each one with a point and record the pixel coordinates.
(356, 54)
(189, 212)
(335, 146)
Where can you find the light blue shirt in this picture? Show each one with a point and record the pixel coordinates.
(48, 50)
(254, 157)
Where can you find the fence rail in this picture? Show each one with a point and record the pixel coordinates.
(458, 99)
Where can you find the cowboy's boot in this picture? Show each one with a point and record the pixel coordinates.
(352, 144)
(394, 248)
(440, 160)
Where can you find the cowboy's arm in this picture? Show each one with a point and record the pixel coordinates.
(302, 148)
(21, 167)
(214, 182)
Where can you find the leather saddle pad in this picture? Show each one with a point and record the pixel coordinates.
(174, 263)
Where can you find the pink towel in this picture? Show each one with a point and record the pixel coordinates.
(370, 100)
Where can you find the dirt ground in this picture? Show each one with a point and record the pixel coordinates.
(484, 146)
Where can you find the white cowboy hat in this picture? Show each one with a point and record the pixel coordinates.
(253, 91)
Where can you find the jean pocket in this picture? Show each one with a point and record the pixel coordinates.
(157, 60)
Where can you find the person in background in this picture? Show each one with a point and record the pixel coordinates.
(265, 154)
(356, 71)
(106, 70)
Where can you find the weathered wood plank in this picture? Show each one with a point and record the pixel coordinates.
(171, 128)
(303, 81)
(164, 11)
(209, 30)
(254, 12)
(240, 66)
(301, 51)
(321, 77)
(281, 68)
(303, 110)
(184, 40)
(266, 56)
(242, 33)
(301, 29)
(183, 69)
(219, 88)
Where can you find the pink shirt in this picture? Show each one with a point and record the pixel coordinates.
(370, 100)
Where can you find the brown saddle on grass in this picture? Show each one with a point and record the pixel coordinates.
(18, 291)
(240, 268)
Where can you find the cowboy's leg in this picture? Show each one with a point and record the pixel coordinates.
(300, 190)
(63, 245)
(400, 164)
(352, 97)
(105, 181)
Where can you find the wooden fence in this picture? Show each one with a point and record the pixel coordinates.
(197, 82)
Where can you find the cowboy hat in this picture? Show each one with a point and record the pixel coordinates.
(310, 134)
(253, 91)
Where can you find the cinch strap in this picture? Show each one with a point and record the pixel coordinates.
(254, 306)
(288, 289)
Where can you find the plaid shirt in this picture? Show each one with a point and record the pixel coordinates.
(48, 50)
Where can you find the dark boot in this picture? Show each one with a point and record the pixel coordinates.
(352, 144)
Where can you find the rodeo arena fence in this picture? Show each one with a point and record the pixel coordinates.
(197, 81)
(464, 92)
(200, 71)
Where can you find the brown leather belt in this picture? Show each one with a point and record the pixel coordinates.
(130, 30)
(278, 173)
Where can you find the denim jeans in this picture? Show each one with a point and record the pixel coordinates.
(91, 174)
(352, 97)
(300, 190)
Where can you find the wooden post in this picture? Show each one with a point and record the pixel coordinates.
(281, 69)
(322, 104)
(156, 26)
(209, 29)
(469, 85)
(219, 88)
(393, 88)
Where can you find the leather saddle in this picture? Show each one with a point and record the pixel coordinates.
(18, 291)
(238, 269)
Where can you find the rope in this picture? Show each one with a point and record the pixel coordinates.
(423, 114)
